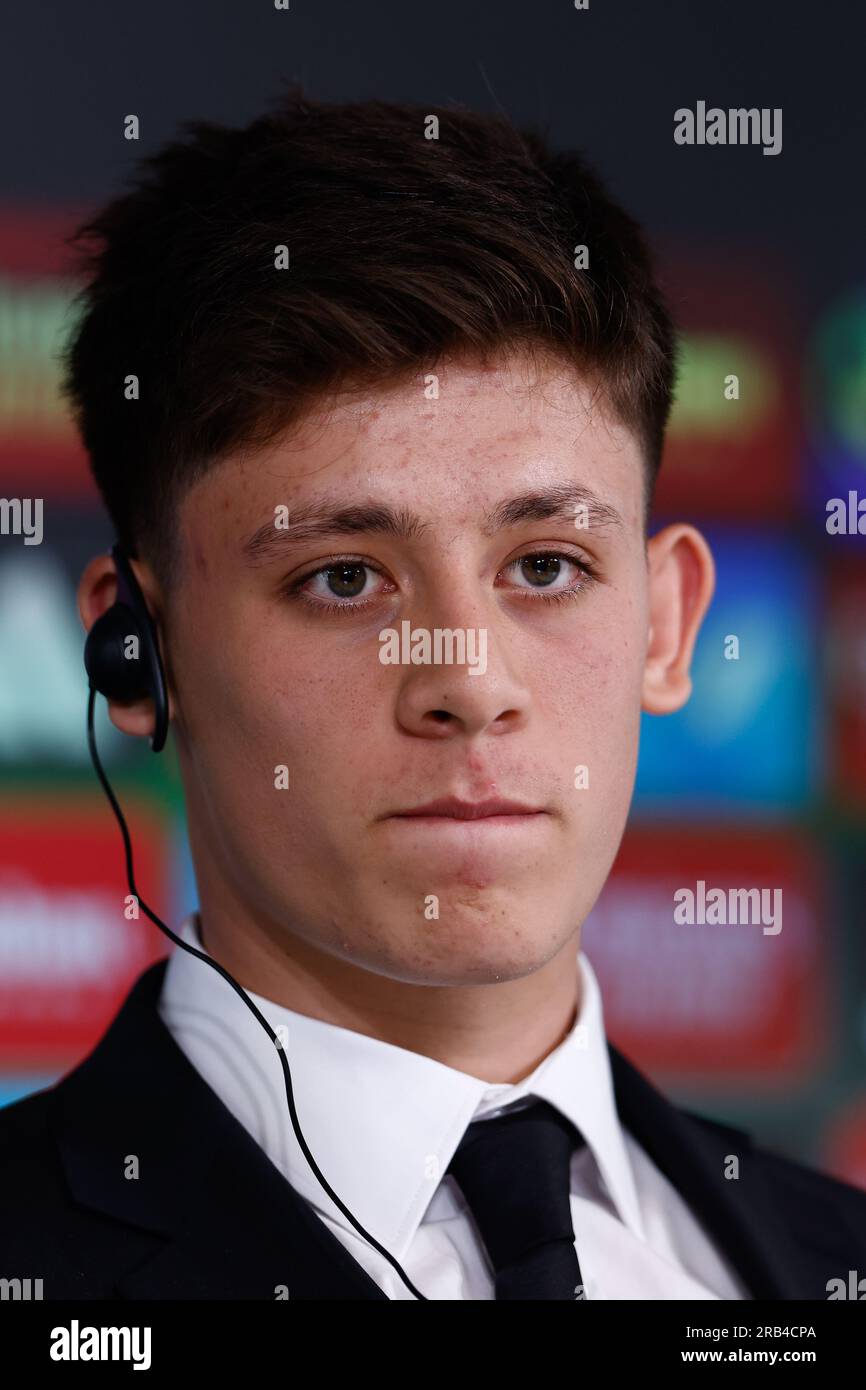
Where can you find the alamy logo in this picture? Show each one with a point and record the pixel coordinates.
(736, 126)
(20, 1290)
(445, 646)
(75, 1343)
(846, 520)
(855, 1287)
(22, 516)
(715, 907)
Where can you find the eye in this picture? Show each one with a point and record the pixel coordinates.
(544, 569)
(340, 586)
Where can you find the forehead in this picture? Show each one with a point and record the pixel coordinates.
(466, 407)
(451, 443)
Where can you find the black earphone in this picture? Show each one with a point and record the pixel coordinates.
(122, 660)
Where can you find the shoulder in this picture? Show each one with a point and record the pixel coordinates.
(70, 1249)
(27, 1128)
(798, 1185)
(32, 1186)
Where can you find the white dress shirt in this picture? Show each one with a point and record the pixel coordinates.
(383, 1124)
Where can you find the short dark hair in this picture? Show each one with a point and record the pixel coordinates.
(401, 248)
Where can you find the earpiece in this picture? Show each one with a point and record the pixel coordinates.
(121, 671)
(125, 674)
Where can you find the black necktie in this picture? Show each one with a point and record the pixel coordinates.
(513, 1171)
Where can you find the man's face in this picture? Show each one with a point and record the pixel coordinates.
(276, 663)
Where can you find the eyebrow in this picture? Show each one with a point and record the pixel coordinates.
(322, 518)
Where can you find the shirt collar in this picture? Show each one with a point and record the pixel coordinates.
(382, 1122)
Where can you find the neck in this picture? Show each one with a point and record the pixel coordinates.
(496, 1032)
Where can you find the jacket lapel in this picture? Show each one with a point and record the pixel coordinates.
(225, 1223)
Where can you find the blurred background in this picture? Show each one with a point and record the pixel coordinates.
(761, 780)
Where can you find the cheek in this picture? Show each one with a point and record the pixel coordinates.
(327, 726)
(600, 669)
(590, 712)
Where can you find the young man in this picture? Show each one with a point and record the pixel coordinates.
(376, 401)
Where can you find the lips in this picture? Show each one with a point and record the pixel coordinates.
(452, 808)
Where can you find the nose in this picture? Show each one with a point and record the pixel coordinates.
(447, 698)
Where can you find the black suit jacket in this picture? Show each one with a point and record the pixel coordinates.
(210, 1217)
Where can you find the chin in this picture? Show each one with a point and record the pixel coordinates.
(477, 951)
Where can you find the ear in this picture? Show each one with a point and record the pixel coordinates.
(97, 590)
(682, 577)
